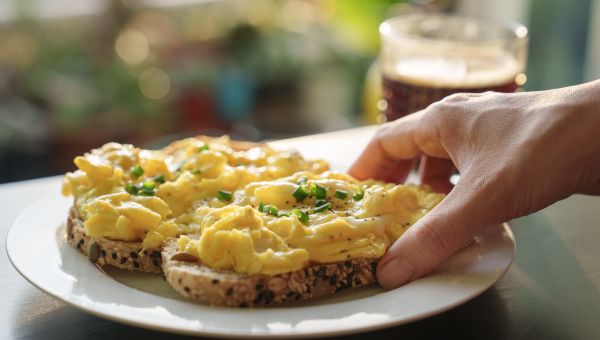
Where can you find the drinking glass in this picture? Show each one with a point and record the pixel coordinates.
(426, 57)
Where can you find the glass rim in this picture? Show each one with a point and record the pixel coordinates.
(517, 30)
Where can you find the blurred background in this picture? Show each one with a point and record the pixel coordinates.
(75, 74)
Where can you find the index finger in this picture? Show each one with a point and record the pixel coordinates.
(395, 144)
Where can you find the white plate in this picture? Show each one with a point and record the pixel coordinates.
(37, 247)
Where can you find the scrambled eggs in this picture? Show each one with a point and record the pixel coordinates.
(269, 228)
(129, 194)
(256, 211)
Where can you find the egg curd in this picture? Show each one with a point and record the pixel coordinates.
(269, 227)
(256, 211)
(126, 193)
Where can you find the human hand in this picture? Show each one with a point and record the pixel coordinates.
(516, 153)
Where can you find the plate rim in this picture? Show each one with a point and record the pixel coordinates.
(373, 326)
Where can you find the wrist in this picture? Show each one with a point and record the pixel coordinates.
(587, 113)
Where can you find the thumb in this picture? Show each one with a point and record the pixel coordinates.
(430, 241)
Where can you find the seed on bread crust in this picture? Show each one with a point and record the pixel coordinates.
(184, 256)
(94, 252)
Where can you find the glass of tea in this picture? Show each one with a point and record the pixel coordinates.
(426, 57)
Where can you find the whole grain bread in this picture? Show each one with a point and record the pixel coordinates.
(103, 251)
(196, 281)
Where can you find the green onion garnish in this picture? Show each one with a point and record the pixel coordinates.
(319, 203)
(196, 172)
(300, 194)
(281, 214)
(302, 180)
(341, 194)
(224, 195)
(147, 189)
(322, 208)
(148, 185)
(270, 209)
(302, 216)
(132, 188)
(203, 148)
(358, 195)
(317, 190)
(137, 171)
(159, 179)
(147, 192)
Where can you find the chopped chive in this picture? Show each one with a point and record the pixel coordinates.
(159, 179)
(322, 208)
(196, 172)
(148, 185)
(300, 194)
(319, 203)
(224, 195)
(203, 148)
(358, 195)
(147, 189)
(302, 180)
(317, 190)
(261, 207)
(341, 194)
(147, 192)
(132, 188)
(273, 210)
(137, 171)
(281, 214)
(302, 216)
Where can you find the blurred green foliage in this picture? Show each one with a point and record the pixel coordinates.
(256, 69)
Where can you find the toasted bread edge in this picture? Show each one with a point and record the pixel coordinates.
(104, 251)
(227, 288)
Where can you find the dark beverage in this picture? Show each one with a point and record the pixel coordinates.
(403, 98)
(424, 82)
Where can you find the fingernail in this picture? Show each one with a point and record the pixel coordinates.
(394, 273)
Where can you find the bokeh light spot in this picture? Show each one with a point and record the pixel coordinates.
(132, 46)
(154, 83)
(520, 79)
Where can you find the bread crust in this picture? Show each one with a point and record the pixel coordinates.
(104, 251)
(227, 288)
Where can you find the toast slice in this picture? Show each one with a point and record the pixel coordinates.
(128, 254)
(196, 281)
(103, 251)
